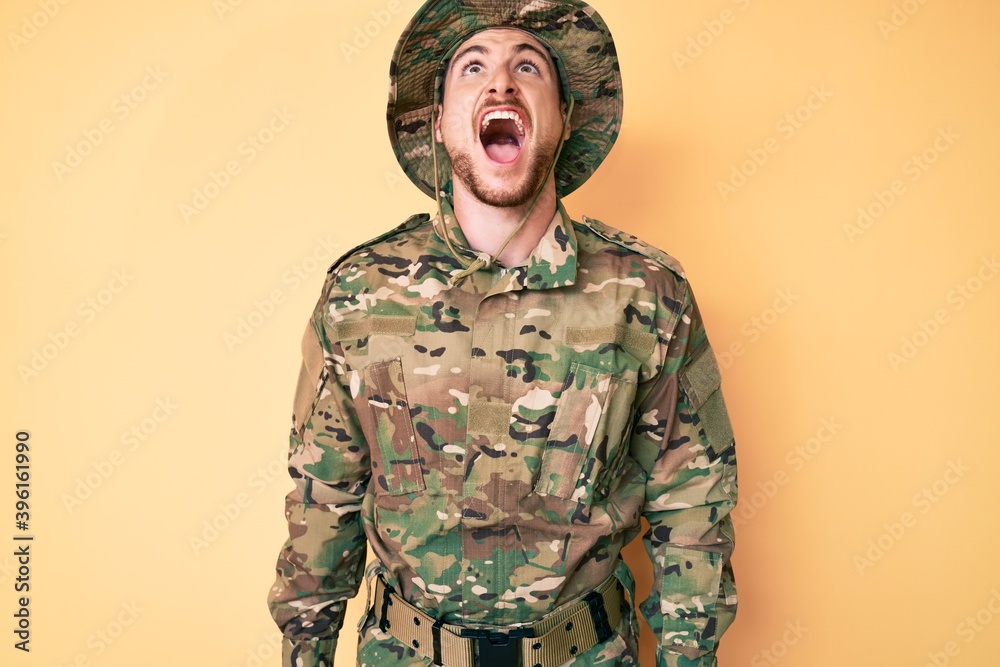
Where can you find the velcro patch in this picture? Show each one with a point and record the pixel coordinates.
(392, 325)
(701, 377)
(702, 381)
(489, 418)
(639, 343)
(715, 420)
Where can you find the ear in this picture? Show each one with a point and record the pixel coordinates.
(569, 128)
(437, 124)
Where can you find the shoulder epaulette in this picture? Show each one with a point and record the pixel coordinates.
(636, 244)
(410, 223)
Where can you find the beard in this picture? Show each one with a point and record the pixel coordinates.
(518, 194)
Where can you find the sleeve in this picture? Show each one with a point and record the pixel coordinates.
(320, 565)
(683, 440)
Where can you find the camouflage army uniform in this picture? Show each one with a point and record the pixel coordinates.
(495, 433)
(496, 442)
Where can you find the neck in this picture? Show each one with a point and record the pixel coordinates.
(486, 227)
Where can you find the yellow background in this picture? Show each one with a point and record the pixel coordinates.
(115, 577)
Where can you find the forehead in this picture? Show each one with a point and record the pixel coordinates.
(502, 41)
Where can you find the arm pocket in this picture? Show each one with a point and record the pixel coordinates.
(688, 595)
(396, 463)
(585, 438)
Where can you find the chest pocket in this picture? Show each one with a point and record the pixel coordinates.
(379, 342)
(398, 455)
(585, 445)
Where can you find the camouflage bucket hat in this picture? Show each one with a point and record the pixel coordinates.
(578, 41)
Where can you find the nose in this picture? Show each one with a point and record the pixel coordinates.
(502, 80)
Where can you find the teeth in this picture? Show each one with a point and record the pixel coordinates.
(504, 115)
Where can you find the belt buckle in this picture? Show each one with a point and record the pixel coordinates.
(497, 649)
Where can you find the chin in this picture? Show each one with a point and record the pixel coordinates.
(502, 185)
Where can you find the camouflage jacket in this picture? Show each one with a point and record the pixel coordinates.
(497, 441)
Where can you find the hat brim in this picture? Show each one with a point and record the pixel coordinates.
(579, 42)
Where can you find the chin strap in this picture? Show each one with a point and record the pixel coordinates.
(484, 259)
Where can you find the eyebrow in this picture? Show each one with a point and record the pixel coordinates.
(475, 48)
(531, 47)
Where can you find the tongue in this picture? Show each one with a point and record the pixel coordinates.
(502, 152)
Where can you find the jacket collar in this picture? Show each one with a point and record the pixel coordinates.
(552, 263)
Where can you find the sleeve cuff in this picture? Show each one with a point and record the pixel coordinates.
(673, 659)
(308, 652)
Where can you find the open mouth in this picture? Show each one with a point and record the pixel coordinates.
(502, 134)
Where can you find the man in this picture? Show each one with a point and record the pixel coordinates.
(493, 397)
